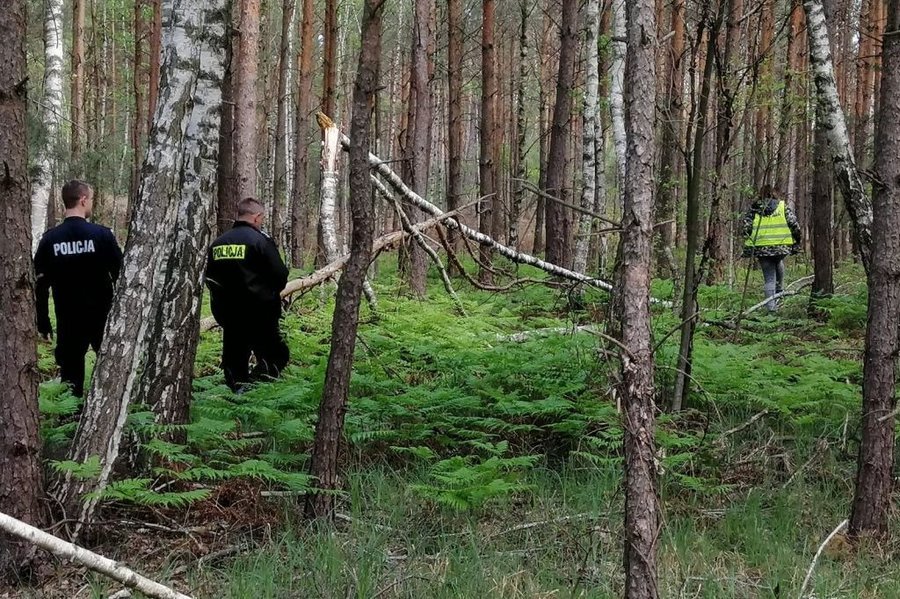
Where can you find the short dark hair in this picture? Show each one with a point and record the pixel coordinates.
(249, 206)
(73, 191)
(767, 191)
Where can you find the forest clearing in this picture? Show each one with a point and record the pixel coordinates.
(419, 298)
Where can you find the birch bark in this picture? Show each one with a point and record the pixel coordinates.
(589, 156)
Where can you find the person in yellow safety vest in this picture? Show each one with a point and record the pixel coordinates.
(771, 233)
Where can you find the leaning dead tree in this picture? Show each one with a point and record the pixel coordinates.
(149, 345)
(834, 127)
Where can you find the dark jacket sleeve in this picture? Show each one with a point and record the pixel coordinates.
(747, 224)
(277, 272)
(42, 288)
(114, 258)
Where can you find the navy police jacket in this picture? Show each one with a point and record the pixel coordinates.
(80, 262)
(244, 271)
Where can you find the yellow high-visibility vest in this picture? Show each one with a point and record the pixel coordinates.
(770, 230)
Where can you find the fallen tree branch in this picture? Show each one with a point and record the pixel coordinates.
(802, 284)
(89, 559)
(507, 252)
(822, 547)
(526, 335)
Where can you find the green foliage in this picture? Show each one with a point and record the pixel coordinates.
(138, 491)
(90, 468)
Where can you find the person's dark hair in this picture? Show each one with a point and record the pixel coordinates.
(73, 191)
(767, 191)
(249, 206)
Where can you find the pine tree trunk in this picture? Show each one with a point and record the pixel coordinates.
(557, 216)
(280, 184)
(589, 155)
(864, 79)
(329, 74)
(616, 93)
(244, 84)
(874, 480)
(226, 189)
(455, 36)
(834, 124)
(636, 388)
(148, 348)
(324, 464)
(138, 122)
(486, 167)
(21, 474)
(418, 141)
(515, 211)
(77, 92)
(669, 180)
(52, 111)
(155, 57)
(300, 206)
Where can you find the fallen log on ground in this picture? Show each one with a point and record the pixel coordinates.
(89, 559)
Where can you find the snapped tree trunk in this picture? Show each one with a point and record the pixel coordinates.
(345, 322)
(835, 128)
(591, 126)
(486, 167)
(557, 216)
(148, 348)
(51, 111)
(244, 85)
(874, 478)
(636, 388)
(21, 474)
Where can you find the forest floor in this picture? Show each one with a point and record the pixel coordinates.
(483, 466)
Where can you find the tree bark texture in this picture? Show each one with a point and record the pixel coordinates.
(148, 349)
(616, 92)
(557, 216)
(591, 126)
(515, 210)
(52, 112)
(486, 168)
(245, 100)
(329, 429)
(226, 190)
(455, 36)
(874, 478)
(418, 141)
(280, 228)
(76, 97)
(155, 57)
(329, 65)
(835, 128)
(137, 84)
(300, 205)
(636, 389)
(21, 475)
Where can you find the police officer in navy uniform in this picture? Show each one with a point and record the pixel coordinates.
(80, 261)
(245, 275)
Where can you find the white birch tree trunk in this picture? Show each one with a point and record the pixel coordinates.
(617, 92)
(51, 111)
(834, 126)
(589, 155)
(150, 337)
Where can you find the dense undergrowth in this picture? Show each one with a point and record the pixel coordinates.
(479, 465)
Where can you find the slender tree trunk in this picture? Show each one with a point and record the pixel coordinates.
(636, 389)
(455, 36)
(486, 166)
(77, 92)
(148, 348)
(280, 184)
(832, 116)
(874, 479)
(329, 75)
(669, 180)
(418, 140)
(52, 111)
(558, 221)
(329, 429)
(244, 84)
(616, 93)
(689, 305)
(865, 78)
(226, 190)
(138, 122)
(521, 149)
(21, 484)
(300, 205)
(589, 155)
(155, 57)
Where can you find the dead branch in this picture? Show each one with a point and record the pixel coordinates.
(89, 559)
(822, 547)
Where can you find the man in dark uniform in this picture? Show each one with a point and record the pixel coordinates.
(80, 261)
(245, 275)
